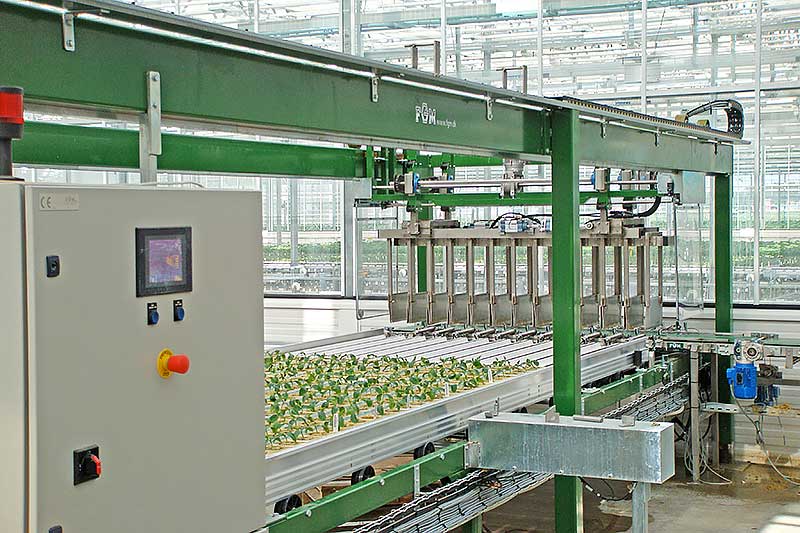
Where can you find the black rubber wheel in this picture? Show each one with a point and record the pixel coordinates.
(361, 475)
(424, 450)
(287, 504)
(280, 506)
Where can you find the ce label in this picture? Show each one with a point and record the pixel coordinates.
(61, 201)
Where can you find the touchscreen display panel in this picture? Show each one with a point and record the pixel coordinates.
(163, 260)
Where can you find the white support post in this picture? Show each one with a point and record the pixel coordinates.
(643, 87)
(294, 222)
(350, 248)
(256, 16)
(443, 31)
(757, 159)
(540, 50)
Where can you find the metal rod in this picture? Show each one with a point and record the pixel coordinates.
(452, 184)
(633, 182)
(437, 54)
(490, 280)
(694, 407)
(470, 282)
(715, 379)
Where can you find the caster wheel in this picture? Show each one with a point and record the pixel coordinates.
(424, 450)
(362, 475)
(287, 504)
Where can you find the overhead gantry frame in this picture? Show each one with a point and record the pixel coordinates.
(218, 78)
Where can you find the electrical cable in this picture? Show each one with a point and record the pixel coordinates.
(612, 498)
(760, 440)
(688, 461)
(640, 214)
(514, 215)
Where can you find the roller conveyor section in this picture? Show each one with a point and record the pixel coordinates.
(311, 463)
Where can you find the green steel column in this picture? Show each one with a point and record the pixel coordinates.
(566, 301)
(474, 526)
(723, 266)
(723, 287)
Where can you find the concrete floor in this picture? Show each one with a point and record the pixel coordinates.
(757, 501)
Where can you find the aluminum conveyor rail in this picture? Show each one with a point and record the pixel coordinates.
(293, 470)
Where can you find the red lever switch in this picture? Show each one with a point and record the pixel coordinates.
(178, 364)
(169, 363)
(98, 465)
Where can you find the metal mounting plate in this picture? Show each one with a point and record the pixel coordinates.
(598, 448)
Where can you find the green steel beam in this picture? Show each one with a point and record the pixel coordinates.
(566, 301)
(614, 146)
(50, 144)
(216, 84)
(57, 145)
(459, 160)
(54, 145)
(619, 390)
(723, 287)
(356, 500)
(521, 199)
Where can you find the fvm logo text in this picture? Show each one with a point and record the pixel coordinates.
(425, 114)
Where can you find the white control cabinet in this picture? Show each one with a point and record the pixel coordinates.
(97, 437)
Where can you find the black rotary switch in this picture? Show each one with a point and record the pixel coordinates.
(86, 464)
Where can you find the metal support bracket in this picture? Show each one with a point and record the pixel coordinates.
(68, 24)
(373, 89)
(489, 108)
(68, 31)
(716, 407)
(533, 443)
(150, 130)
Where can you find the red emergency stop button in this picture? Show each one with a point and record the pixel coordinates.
(169, 362)
(178, 363)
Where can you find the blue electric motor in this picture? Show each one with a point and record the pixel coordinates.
(744, 378)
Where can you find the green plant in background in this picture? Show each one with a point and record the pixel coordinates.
(308, 396)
